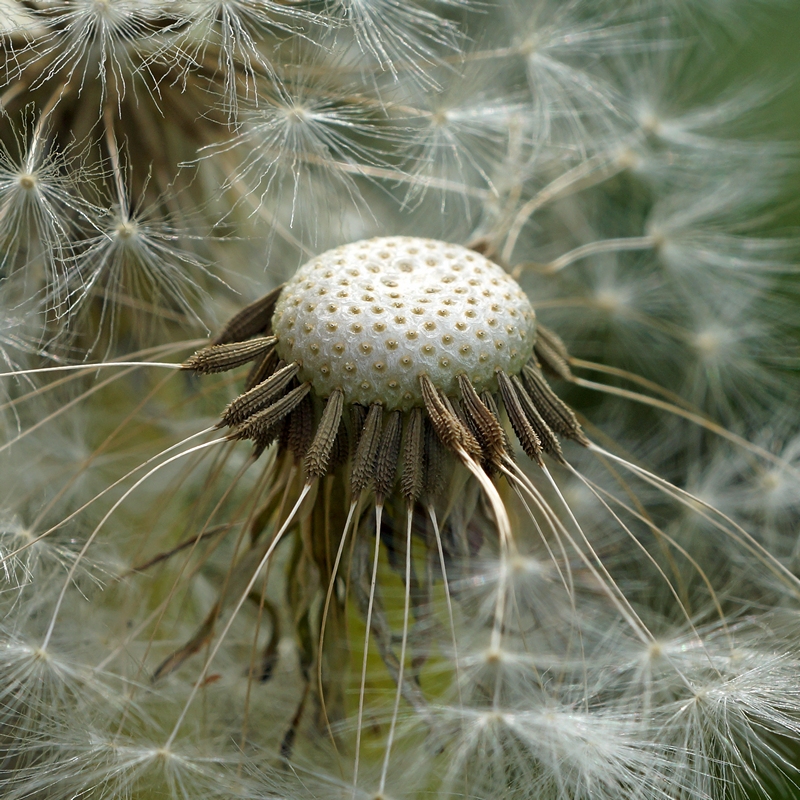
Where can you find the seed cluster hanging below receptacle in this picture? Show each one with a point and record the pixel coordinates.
(311, 365)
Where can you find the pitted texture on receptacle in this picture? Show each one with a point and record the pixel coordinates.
(371, 317)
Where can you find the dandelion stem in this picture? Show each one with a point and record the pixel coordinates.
(586, 250)
(367, 634)
(588, 173)
(242, 598)
(709, 425)
(402, 664)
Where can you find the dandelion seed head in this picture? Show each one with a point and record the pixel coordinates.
(27, 181)
(775, 490)
(612, 300)
(371, 317)
(19, 551)
(126, 229)
(557, 752)
(649, 122)
(712, 341)
(297, 114)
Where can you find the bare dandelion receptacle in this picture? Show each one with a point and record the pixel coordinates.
(394, 324)
(392, 357)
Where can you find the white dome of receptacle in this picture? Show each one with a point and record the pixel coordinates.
(372, 316)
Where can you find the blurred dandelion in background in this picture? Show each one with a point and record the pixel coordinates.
(398, 401)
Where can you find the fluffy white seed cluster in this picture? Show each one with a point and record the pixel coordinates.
(372, 316)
